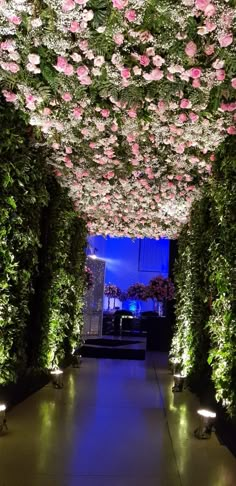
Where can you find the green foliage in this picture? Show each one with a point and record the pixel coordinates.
(23, 194)
(64, 281)
(205, 331)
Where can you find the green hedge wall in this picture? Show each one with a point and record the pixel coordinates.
(23, 194)
(28, 193)
(205, 335)
(64, 280)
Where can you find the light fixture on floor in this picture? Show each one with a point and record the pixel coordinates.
(205, 428)
(57, 378)
(178, 382)
(3, 420)
(77, 360)
(175, 365)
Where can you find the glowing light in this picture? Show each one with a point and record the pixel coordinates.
(2, 407)
(56, 372)
(92, 256)
(179, 376)
(206, 413)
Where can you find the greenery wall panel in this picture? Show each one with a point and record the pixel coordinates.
(42, 256)
(205, 331)
(23, 194)
(64, 280)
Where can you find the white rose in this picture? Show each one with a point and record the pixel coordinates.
(34, 58)
(36, 23)
(100, 30)
(99, 61)
(88, 15)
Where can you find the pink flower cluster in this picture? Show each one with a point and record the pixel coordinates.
(134, 161)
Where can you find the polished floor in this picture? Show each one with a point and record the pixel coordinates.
(115, 423)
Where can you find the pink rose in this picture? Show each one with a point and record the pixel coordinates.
(210, 10)
(209, 50)
(68, 150)
(100, 126)
(210, 26)
(9, 96)
(47, 111)
(7, 46)
(130, 15)
(193, 116)
(201, 4)
(161, 106)
(83, 45)
(155, 75)
(195, 73)
(144, 60)
(14, 20)
(233, 83)
(82, 71)
(119, 4)
(185, 103)
(86, 81)
(135, 148)
(225, 40)
(61, 64)
(220, 74)
(85, 132)
(227, 18)
(131, 137)
(170, 77)
(74, 26)
(231, 130)
(114, 127)
(158, 61)
(180, 148)
(109, 175)
(218, 64)
(105, 113)
(132, 113)
(55, 146)
(68, 5)
(77, 112)
(125, 73)
(145, 36)
(67, 96)
(13, 67)
(182, 118)
(190, 49)
(118, 39)
(69, 70)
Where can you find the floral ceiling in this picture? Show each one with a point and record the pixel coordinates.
(132, 97)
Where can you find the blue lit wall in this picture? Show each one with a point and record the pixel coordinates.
(130, 261)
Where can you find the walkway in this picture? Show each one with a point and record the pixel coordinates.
(115, 423)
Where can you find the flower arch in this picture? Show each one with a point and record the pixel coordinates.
(132, 96)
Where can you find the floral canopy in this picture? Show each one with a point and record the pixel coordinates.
(132, 97)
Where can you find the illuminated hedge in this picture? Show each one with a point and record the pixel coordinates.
(205, 332)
